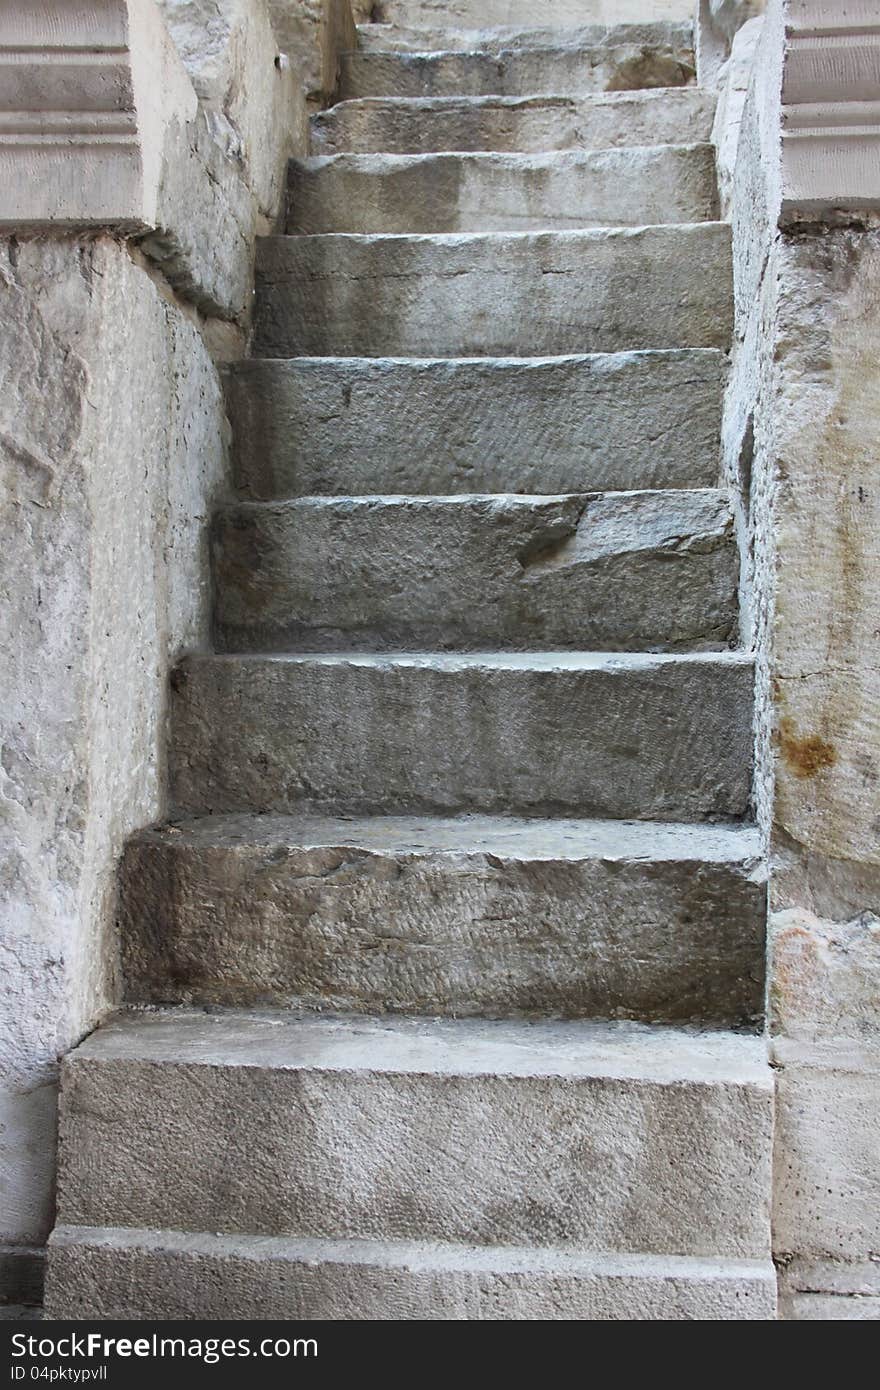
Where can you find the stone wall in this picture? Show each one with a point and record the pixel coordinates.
(112, 449)
(125, 282)
(802, 450)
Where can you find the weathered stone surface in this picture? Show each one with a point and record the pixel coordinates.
(206, 224)
(472, 13)
(800, 431)
(825, 977)
(612, 1137)
(313, 33)
(228, 48)
(182, 1275)
(827, 1174)
(111, 453)
(382, 193)
(493, 295)
(827, 600)
(462, 916)
(509, 67)
(345, 426)
(600, 42)
(650, 737)
(419, 125)
(628, 571)
(821, 1289)
(825, 1014)
(817, 1307)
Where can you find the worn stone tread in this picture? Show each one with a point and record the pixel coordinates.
(422, 14)
(93, 1271)
(612, 735)
(609, 1137)
(497, 64)
(490, 38)
(530, 124)
(601, 422)
(286, 1041)
(464, 916)
(387, 193)
(626, 571)
(494, 294)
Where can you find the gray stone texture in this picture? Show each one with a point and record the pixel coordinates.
(799, 436)
(463, 916)
(112, 453)
(495, 294)
(126, 1274)
(553, 13)
(255, 106)
(387, 193)
(628, 571)
(556, 13)
(609, 1137)
(623, 421)
(650, 737)
(660, 56)
(537, 1165)
(420, 125)
(600, 41)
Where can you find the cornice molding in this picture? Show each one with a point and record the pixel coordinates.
(88, 95)
(831, 107)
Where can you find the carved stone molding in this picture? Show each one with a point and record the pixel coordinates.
(88, 94)
(831, 107)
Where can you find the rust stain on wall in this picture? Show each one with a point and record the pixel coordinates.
(805, 755)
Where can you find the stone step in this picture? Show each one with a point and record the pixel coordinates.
(388, 193)
(623, 421)
(608, 1137)
(120, 1273)
(464, 916)
(629, 571)
(512, 63)
(472, 13)
(580, 34)
(533, 124)
(544, 733)
(494, 295)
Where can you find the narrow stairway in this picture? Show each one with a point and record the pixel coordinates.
(453, 953)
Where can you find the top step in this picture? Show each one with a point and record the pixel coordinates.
(510, 63)
(472, 13)
(385, 38)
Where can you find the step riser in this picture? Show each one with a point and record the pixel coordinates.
(622, 571)
(500, 295)
(132, 1275)
(585, 424)
(515, 72)
(670, 740)
(599, 43)
(461, 934)
(382, 194)
(527, 125)
(475, 13)
(598, 1161)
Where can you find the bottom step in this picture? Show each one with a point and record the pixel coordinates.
(119, 1273)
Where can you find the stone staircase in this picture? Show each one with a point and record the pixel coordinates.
(444, 983)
